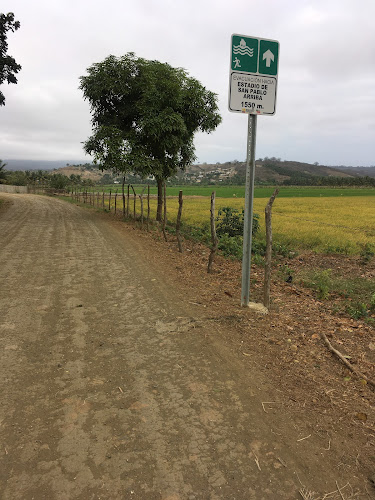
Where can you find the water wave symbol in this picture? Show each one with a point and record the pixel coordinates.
(243, 50)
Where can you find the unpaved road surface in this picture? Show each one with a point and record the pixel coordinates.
(114, 386)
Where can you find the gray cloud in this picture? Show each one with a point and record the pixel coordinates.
(325, 107)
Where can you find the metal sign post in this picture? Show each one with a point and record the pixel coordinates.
(248, 215)
(252, 90)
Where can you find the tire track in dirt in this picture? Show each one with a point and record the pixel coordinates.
(110, 386)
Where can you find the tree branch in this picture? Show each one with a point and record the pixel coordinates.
(345, 361)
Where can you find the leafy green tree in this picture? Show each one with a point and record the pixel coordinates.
(17, 178)
(8, 66)
(75, 179)
(144, 116)
(58, 181)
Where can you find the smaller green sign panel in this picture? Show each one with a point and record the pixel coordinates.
(268, 56)
(244, 54)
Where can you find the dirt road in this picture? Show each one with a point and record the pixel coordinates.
(113, 385)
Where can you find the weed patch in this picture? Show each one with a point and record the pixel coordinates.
(366, 253)
(354, 296)
(320, 282)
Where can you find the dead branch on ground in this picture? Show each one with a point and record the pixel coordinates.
(345, 361)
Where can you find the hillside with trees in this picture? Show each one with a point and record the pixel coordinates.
(268, 171)
(279, 172)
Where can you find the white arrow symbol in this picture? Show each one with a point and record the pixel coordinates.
(268, 56)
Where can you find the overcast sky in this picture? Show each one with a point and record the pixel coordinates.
(326, 81)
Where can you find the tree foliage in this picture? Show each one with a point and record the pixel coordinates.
(145, 114)
(41, 178)
(8, 66)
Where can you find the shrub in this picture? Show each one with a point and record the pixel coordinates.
(321, 282)
(231, 222)
(231, 246)
(358, 310)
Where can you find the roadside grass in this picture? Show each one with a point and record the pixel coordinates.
(354, 296)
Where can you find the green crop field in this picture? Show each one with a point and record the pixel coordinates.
(259, 192)
(335, 220)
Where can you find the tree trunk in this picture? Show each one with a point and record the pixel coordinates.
(165, 211)
(159, 211)
(178, 223)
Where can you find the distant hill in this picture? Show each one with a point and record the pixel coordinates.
(369, 171)
(267, 171)
(85, 171)
(39, 164)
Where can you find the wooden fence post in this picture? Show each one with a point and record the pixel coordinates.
(148, 206)
(214, 239)
(123, 196)
(141, 199)
(267, 269)
(178, 222)
(109, 201)
(115, 201)
(134, 201)
(127, 202)
(103, 199)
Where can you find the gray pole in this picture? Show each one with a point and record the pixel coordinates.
(248, 216)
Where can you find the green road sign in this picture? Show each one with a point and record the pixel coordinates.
(254, 55)
(244, 54)
(269, 54)
(253, 75)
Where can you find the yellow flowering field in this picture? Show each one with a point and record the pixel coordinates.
(321, 223)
